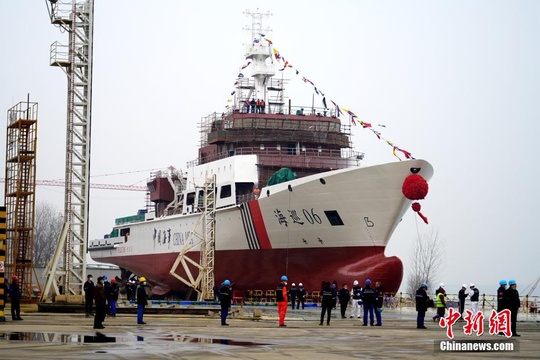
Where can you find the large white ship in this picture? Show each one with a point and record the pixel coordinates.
(331, 219)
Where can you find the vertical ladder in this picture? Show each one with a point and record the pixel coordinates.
(20, 185)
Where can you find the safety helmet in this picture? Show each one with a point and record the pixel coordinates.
(355, 282)
(104, 276)
(142, 279)
(502, 282)
(284, 278)
(227, 282)
(512, 282)
(368, 282)
(293, 284)
(113, 280)
(441, 285)
(15, 277)
(472, 285)
(464, 285)
(424, 285)
(300, 284)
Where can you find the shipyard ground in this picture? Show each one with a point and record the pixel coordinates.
(173, 336)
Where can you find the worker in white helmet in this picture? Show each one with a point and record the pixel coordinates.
(293, 294)
(301, 296)
(356, 300)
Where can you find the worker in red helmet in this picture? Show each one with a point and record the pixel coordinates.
(112, 296)
(15, 296)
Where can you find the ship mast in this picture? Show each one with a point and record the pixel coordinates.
(258, 52)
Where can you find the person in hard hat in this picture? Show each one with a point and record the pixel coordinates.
(356, 301)
(89, 295)
(422, 300)
(475, 296)
(101, 304)
(107, 288)
(513, 303)
(15, 296)
(462, 295)
(501, 296)
(225, 296)
(440, 304)
(282, 300)
(142, 300)
(368, 302)
(112, 297)
(301, 296)
(293, 293)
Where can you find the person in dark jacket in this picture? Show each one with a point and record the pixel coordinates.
(225, 296)
(101, 304)
(501, 296)
(293, 294)
(368, 300)
(88, 295)
(301, 296)
(142, 300)
(112, 297)
(421, 305)
(344, 297)
(462, 295)
(513, 303)
(379, 293)
(328, 302)
(15, 296)
(107, 289)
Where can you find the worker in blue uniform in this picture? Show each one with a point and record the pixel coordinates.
(368, 300)
(421, 305)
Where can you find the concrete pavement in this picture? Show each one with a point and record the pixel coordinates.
(71, 336)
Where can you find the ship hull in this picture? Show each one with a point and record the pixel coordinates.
(262, 269)
(330, 226)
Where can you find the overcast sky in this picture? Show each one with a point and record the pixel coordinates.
(455, 82)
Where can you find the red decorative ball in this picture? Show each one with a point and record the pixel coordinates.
(415, 187)
(416, 207)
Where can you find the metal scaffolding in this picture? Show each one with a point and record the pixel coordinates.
(20, 192)
(206, 240)
(68, 268)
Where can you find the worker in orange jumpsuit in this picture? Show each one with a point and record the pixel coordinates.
(282, 300)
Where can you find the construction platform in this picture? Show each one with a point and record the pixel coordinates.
(174, 336)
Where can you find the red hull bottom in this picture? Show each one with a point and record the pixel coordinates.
(262, 269)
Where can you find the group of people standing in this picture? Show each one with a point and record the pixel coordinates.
(507, 298)
(256, 106)
(297, 295)
(371, 299)
(104, 295)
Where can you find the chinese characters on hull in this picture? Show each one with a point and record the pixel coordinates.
(163, 237)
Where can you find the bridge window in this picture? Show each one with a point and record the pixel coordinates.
(226, 191)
